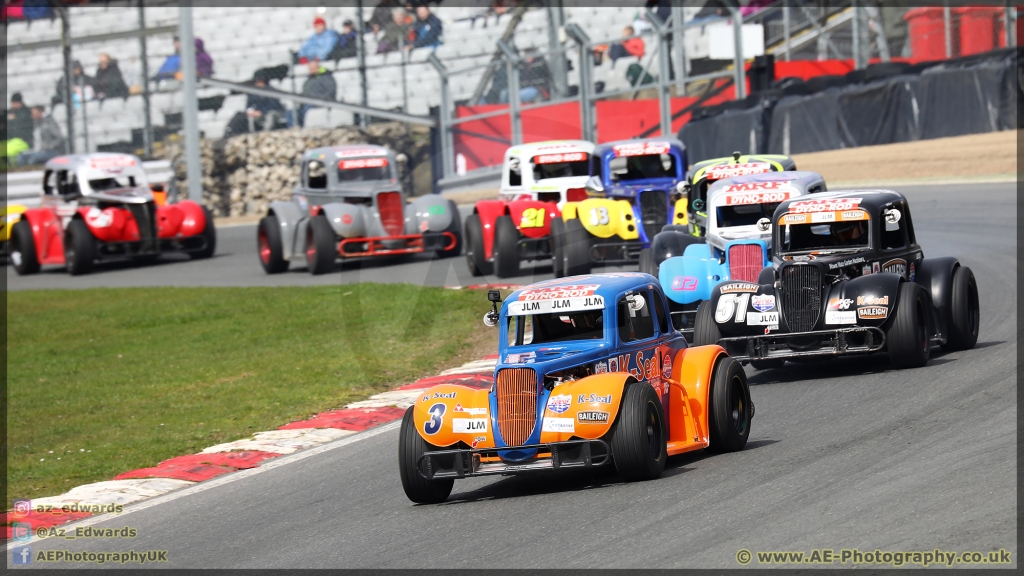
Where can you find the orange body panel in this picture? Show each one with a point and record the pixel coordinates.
(690, 384)
(437, 425)
(599, 393)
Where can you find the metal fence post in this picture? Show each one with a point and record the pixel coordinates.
(948, 28)
(875, 23)
(1010, 25)
(678, 23)
(586, 106)
(69, 104)
(556, 61)
(361, 57)
(447, 141)
(147, 130)
(512, 67)
(785, 29)
(738, 61)
(664, 97)
(856, 35)
(190, 106)
(85, 114)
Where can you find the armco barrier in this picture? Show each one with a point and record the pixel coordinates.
(24, 187)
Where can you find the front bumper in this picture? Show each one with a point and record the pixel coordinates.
(463, 463)
(853, 340)
(395, 245)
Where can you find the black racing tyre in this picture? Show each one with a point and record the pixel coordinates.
(638, 438)
(730, 409)
(684, 228)
(908, 338)
(705, 330)
(647, 265)
(268, 245)
(79, 248)
(557, 241)
(767, 364)
(476, 257)
(23, 249)
(321, 246)
(576, 249)
(410, 447)
(506, 248)
(455, 227)
(209, 234)
(964, 311)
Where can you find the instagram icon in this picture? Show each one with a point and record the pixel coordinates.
(22, 507)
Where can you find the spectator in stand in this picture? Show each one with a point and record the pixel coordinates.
(319, 45)
(381, 17)
(19, 121)
(628, 47)
(51, 139)
(204, 62)
(428, 29)
(348, 40)
(171, 67)
(261, 112)
(108, 82)
(81, 85)
(396, 34)
(320, 84)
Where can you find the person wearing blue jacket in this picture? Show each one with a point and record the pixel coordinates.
(428, 28)
(319, 45)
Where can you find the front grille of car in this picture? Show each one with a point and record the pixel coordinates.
(653, 211)
(517, 404)
(745, 262)
(801, 296)
(392, 215)
(145, 219)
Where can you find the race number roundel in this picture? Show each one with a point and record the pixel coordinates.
(433, 426)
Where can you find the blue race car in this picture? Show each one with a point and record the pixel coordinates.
(632, 194)
(738, 243)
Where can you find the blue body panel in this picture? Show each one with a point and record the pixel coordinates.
(689, 278)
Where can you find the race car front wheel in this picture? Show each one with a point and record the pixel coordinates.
(647, 265)
(576, 249)
(455, 227)
(209, 235)
(506, 248)
(731, 409)
(557, 240)
(639, 435)
(321, 248)
(79, 248)
(410, 447)
(268, 243)
(964, 313)
(476, 258)
(23, 249)
(705, 331)
(907, 338)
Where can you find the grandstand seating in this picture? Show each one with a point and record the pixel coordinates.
(241, 40)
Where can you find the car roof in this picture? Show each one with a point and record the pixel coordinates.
(799, 179)
(77, 161)
(608, 285)
(870, 199)
(551, 146)
(609, 147)
(779, 163)
(348, 151)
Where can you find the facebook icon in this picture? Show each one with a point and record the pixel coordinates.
(21, 555)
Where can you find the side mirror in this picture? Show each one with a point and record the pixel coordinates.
(491, 317)
(595, 185)
(683, 187)
(764, 224)
(892, 219)
(156, 187)
(698, 204)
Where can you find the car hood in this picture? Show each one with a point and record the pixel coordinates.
(828, 260)
(553, 356)
(634, 187)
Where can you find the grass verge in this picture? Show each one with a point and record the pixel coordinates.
(104, 381)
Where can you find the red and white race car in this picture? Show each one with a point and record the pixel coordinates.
(100, 206)
(536, 180)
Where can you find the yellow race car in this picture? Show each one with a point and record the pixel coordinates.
(12, 213)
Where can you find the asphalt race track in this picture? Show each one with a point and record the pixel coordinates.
(845, 454)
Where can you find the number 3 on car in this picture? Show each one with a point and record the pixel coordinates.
(591, 371)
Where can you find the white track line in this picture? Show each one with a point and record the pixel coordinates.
(220, 481)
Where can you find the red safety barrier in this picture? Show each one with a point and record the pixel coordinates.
(978, 25)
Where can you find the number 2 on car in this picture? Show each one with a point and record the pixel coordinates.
(532, 218)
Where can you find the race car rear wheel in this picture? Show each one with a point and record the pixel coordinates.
(321, 248)
(576, 249)
(410, 447)
(639, 434)
(705, 331)
(476, 257)
(557, 240)
(209, 234)
(907, 339)
(964, 313)
(79, 248)
(730, 408)
(268, 244)
(647, 265)
(455, 227)
(506, 248)
(23, 249)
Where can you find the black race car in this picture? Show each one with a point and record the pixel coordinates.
(847, 276)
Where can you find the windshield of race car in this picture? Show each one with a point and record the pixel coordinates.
(112, 183)
(556, 327)
(744, 214)
(626, 168)
(543, 168)
(806, 237)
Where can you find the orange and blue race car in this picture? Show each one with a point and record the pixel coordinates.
(591, 371)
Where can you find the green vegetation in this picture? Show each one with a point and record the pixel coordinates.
(104, 381)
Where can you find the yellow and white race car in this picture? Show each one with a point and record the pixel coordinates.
(12, 213)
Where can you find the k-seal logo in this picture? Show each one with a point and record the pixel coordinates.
(592, 417)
